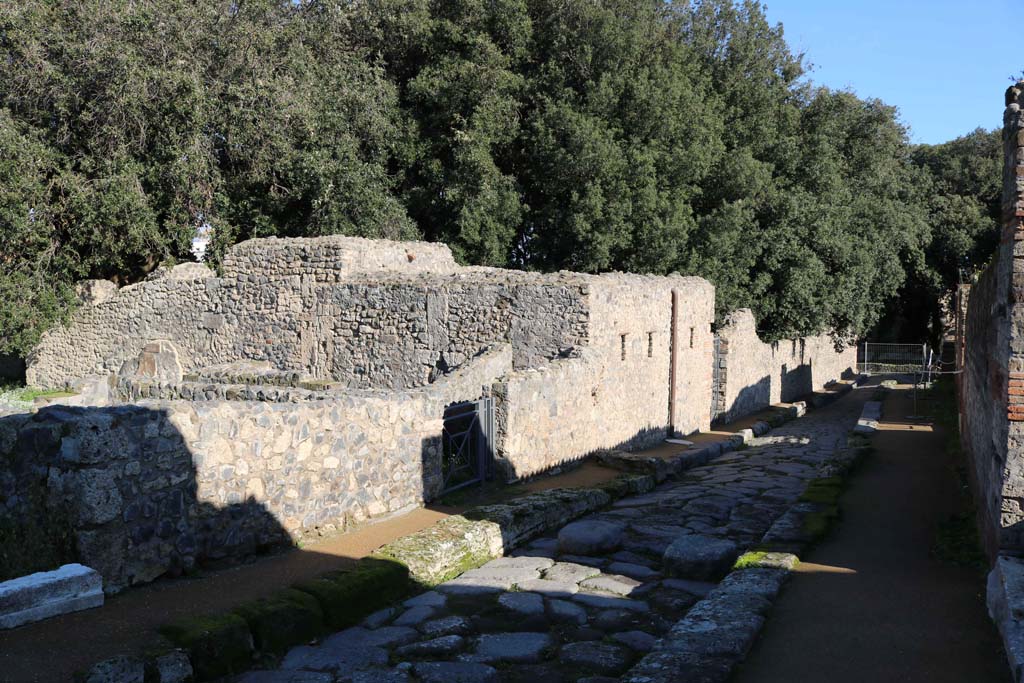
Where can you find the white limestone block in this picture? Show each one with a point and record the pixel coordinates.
(38, 596)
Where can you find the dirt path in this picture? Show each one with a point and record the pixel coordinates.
(870, 604)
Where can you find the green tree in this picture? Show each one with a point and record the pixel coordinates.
(158, 116)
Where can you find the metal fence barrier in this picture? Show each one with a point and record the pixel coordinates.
(876, 358)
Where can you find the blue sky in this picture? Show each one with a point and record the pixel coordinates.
(944, 63)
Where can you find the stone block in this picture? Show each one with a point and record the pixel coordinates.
(172, 667)
(117, 670)
(71, 588)
(288, 618)
(702, 558)
(590, 537)
(217, 645)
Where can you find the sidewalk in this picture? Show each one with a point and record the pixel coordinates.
(870, 604)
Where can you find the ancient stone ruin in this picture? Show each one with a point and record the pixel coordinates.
(306, 389)
(990, 358)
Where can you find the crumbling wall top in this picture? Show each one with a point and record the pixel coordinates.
(334, 255)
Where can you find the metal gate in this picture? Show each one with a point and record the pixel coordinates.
(467, 442)
(894, 358)
(717, 398)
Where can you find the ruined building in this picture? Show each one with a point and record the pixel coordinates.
(320, 382)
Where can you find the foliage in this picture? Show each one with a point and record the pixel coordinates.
(125, 125)
(540, 134)
(963, 204)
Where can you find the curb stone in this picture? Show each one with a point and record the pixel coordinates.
(428, 557)
(869, 417)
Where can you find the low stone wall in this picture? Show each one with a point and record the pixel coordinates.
(754, 374)
(163, 485)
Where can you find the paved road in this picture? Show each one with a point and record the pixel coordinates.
(590, 600)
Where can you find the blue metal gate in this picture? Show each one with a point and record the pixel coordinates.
(467, 442)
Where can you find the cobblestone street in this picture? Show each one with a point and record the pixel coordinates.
(634, 591)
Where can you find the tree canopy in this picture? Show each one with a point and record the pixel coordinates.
(539, 134)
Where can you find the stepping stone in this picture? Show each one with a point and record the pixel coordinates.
(611, 583)
(570, 572)
(428, 599)
(454, 672)
(609, 602)
(694, 556)
(552, 589)
(698, 588)
(446, 626)
(635, 571)
(638, 641)
(597, 657)
(414, 616)
(436, 647)
(524, 603)
(589, 537)
(563, 610)
(511, 647)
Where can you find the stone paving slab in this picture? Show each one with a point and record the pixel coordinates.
(597, 598)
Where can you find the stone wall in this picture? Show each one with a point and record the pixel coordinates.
(377, 321)
(615, 392)
(983, 426)
(161, 486)
(754, 374)
(992, 399)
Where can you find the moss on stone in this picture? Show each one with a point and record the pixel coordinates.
(817, 524)
(217, 645)
(825, 491)
(445, 549)
(750, 559)
(287, 618)
(346, 597)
